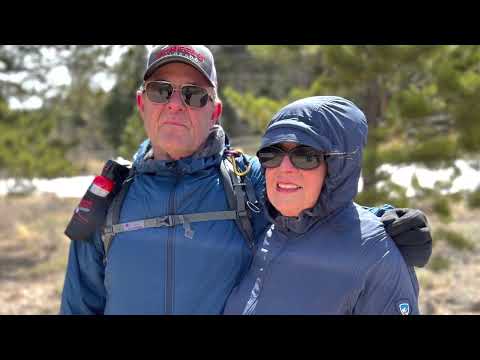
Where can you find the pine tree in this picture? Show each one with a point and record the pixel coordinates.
(421, 102)
(34, 142)
(120, 112)
(30, 147)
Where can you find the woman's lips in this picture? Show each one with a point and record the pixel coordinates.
(287, 187)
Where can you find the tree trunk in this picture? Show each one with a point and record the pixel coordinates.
(373, 113)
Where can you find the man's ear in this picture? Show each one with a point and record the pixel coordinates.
(217, 112)
(140, 103)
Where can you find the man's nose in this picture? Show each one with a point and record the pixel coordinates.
(176, 102)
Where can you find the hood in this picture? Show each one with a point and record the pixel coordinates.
(331, 124)
(208, 155)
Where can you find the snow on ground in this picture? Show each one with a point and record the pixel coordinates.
(63, 187)
(402, 175)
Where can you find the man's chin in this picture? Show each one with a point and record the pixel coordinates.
(172, 146)
(174, 140)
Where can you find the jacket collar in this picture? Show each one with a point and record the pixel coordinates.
(209, 155)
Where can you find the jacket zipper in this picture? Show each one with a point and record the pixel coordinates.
(170, 255)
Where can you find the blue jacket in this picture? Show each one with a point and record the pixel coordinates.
(335, 258)
(160, 270)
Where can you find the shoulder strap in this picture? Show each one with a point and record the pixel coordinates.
(235, 192)
(113, 214)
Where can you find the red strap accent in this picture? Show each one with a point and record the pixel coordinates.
(104, 183)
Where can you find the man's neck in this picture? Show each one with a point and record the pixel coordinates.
(160, 154)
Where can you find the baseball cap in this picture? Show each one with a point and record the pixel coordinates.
(198, 56)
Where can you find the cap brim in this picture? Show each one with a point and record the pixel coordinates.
(280, 135)
(152, 68)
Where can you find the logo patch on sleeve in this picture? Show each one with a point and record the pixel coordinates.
(403, 307)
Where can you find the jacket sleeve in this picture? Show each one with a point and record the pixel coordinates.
(83, 290)
(390, 287)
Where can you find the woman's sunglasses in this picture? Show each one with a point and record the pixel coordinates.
(302, 157)
(160, 92)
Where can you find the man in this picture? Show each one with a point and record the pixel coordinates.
(179, 267)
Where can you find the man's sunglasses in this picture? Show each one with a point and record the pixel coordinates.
(302, 157)
(160, 92)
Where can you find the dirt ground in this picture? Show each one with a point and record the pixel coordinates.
(33, 255)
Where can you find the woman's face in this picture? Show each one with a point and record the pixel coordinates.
(291, 190)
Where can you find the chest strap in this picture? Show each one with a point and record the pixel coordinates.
(169, 221)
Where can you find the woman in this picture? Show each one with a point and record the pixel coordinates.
(323, 254)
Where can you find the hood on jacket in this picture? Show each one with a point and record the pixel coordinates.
(335, 126)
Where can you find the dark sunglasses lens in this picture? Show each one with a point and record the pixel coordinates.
(194, 96)
(270, 157)
(159, 92)
(306, 158)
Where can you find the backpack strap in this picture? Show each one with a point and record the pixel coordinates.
(252, 201)
(235, 191)
(113, 214)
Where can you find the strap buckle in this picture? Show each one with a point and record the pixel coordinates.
(108, 230)
(164, 221)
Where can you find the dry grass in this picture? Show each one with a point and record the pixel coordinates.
(33, 256)
(450, 283)
(33, 253)
(32, 234)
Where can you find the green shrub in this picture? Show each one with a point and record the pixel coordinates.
(441, 207)
(473, 199)
(454, 239)
(439, 263)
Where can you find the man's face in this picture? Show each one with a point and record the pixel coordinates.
(291, 190)
(175, 129)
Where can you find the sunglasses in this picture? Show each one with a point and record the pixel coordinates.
(302, 157)
(160, 92)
